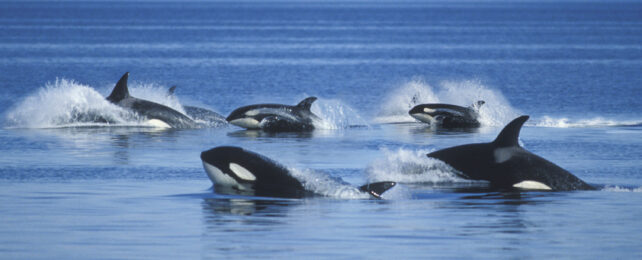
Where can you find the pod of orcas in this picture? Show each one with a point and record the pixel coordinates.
(503, 163)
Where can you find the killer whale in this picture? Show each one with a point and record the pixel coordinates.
(201, 114)
(164, 116)
(447, 115)
(506, 165)
(275, 117)
(234, 170)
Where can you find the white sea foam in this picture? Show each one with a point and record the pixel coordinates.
(66, 103)
(411, 166)
(564, 122)
(324, 184)
(496, 112)
(335, 114)
(621, 189)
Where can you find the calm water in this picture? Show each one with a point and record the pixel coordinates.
(127, 191)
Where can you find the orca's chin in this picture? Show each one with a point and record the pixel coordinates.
(157, 123)
(218, 177)
(423, 117)
(246, 122)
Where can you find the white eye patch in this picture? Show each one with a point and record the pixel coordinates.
(242, 172)
(532, 185)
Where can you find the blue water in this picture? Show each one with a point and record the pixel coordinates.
(73, 190)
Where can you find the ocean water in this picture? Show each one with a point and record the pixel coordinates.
(80, 190)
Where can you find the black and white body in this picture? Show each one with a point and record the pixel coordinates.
(276, 117)
(157, 114)
(202, 114)
(506, 165)
(234, 170)
(447, 115)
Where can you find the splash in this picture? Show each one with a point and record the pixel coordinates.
(621, 189)
(335, 114)
(547, 121)
(66, 103)
(326, 185)
(411, 166)
(496, 112)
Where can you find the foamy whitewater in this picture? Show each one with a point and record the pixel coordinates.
(496, 112)
(83, 178)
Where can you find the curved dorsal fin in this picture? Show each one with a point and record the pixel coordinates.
(478, 104)
(306, 103)
(508, 136)
(120, 91)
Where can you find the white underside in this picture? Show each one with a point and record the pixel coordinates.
(532, 185)
(423, 117)
(219, 178)
(246, 122)
(157, 123)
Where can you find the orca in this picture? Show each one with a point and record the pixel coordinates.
(506, 165)
(447, 115)
(202, 114)
(234, 170)
(276, 117)
(157, 114)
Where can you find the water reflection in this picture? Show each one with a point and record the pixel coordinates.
(243, 214)
(263, 134)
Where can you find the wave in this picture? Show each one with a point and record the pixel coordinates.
(622, 189)
(564, 122)
(496, 112)
(326, 185)
(411, 166)
(335, 114)
(67, 103)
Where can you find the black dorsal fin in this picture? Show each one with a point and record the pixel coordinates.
(306, 103)
(171, 90)
(508, 136)
(478, 104)
(377, 188)
(120, 91)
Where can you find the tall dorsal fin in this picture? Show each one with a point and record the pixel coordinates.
(171, 90)
(508, 136)
(478, 104)
(306, 103)
(120, 91)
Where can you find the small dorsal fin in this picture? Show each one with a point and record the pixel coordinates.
(377, 188)
(171, 90)
(120, 91)
(306, 103)
(508, 136)
(478, 104)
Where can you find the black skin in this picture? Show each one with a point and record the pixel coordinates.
(479, 162)
(272, 179)
(467, 117)
(120, 96)
(302, 121)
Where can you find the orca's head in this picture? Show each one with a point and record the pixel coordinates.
(424, 112)
(231, 166)
(244, 117)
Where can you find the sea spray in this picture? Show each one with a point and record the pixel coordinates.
(411, 166)
(496, 112)
(335, 114)
(66, 103)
